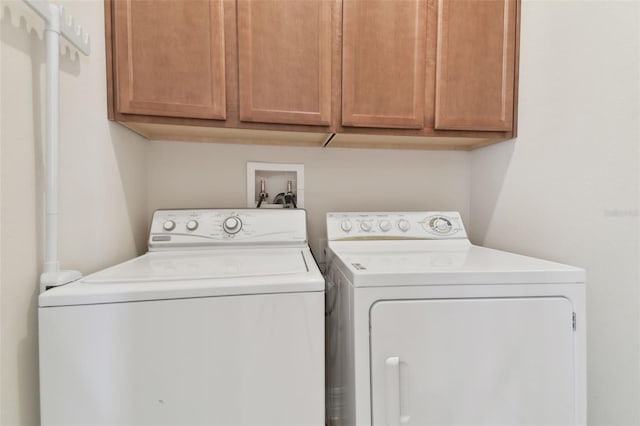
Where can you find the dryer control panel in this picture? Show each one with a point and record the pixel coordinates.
(395, 225)
(193, 228)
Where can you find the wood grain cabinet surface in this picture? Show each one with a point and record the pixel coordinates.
(429, 64)
(169, 58)
(384, 60)
(475, 64)
(284, 61)
(420, 74)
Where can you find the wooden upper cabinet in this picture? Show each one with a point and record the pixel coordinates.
(384, 63)
(170, 58)
(284, 61)
(475, 65)
(441, 71)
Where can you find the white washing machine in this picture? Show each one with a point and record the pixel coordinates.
(424, 328)
(220, 323)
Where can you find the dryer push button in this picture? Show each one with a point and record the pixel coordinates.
(345, 225)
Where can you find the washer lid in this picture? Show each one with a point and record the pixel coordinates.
(433, 263)
(202, 273)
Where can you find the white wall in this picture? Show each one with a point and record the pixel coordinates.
(183, 175)
(568, 188)
(103, 190)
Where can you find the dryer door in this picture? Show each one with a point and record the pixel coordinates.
(494, 361)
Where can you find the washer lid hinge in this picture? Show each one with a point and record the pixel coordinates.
(573, 321)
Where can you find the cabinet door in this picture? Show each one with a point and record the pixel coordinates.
(383, 59)
(170, 58)
(284, 61)
(475, 64)
(494, 361)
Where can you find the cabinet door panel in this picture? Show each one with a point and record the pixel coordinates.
(475, 64)
(170, 58)
(284, 54)
(493, 361)
(384, 48)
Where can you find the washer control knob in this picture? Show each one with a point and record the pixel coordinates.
(345, 225)
(192, 225)
(404, 225)
(169, 225)
(441, 225)
(232, 225)
(384, 225)
(365, 226)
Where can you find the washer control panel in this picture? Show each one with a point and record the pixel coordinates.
(395, 225)
(214, 227)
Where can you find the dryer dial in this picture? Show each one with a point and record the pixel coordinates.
(441, 225)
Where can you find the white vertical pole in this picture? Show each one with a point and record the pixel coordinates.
(52, 39)
(55, 27)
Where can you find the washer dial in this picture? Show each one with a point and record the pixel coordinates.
(232, 225)
(169, 225)
(345, 225)
(192, 225)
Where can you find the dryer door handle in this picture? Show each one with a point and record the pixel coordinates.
(397, 403)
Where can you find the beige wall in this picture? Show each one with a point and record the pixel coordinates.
(214, 175)
(568, 188)
(102, 199)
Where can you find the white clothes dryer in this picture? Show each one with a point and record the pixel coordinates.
(220, 323)
(424, 328)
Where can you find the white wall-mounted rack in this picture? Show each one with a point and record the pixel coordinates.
(62, 24)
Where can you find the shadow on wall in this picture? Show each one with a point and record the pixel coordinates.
(129, 169)
(27, 354)
(489, 166)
